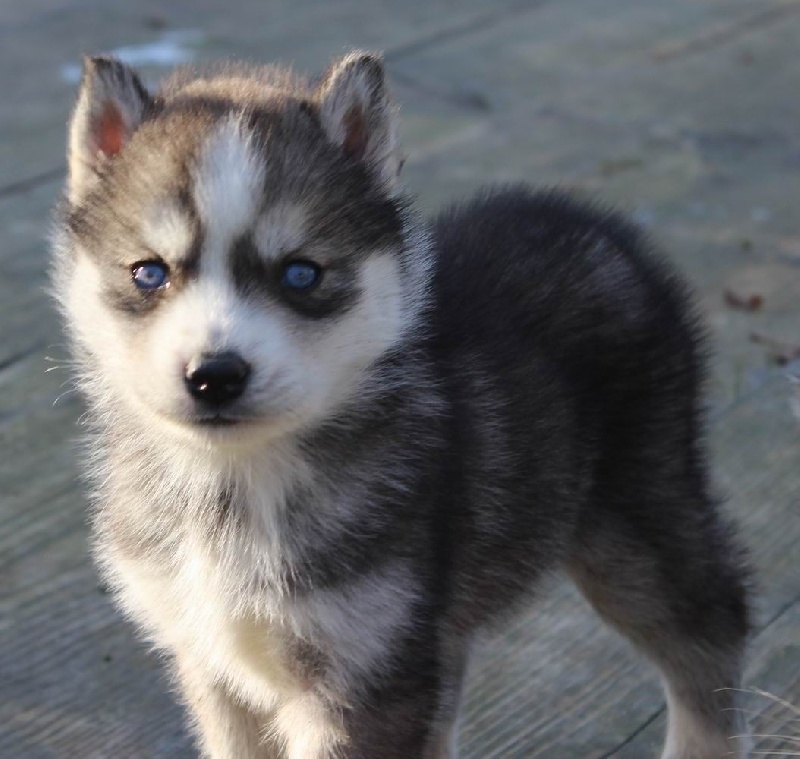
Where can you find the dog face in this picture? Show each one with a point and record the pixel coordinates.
(234, 257)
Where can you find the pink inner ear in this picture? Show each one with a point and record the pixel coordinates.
(355, 133)
(110, 131)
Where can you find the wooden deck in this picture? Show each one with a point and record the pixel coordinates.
(686, 113)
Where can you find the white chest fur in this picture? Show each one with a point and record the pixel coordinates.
(196, 611)
(271, 650)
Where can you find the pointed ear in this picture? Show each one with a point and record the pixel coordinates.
(359, 116)
(111, 105)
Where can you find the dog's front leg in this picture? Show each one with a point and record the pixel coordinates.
(224, 727)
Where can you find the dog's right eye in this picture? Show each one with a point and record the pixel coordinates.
(150, 275)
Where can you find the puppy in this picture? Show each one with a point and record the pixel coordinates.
(331, 442)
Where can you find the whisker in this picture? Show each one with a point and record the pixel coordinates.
(791, 738)
(760, 714)
(777, 699)
(61, 395)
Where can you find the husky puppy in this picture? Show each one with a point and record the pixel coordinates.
(332, 442)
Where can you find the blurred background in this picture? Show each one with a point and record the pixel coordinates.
(685, 114)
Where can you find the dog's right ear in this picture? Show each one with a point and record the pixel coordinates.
(111, 105)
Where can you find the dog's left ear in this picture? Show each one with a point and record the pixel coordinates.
(111, 105)
(359, 116)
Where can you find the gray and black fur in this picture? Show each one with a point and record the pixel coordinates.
(522, 395)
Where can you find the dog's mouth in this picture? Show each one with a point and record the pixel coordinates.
(236, 431)
(219, 429)
(222, 421)
(217, 421)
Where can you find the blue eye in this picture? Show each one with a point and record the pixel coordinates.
(149, 275)
(300, 275)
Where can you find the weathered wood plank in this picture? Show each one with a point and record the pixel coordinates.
(36, 47)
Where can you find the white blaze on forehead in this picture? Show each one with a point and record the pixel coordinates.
(228, 184)
(167, 230)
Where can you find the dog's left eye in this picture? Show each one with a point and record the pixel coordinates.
(149, 275)
(300, 275)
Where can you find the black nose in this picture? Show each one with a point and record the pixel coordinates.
(217, 378)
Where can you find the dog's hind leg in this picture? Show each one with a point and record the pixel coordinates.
(661, 566)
